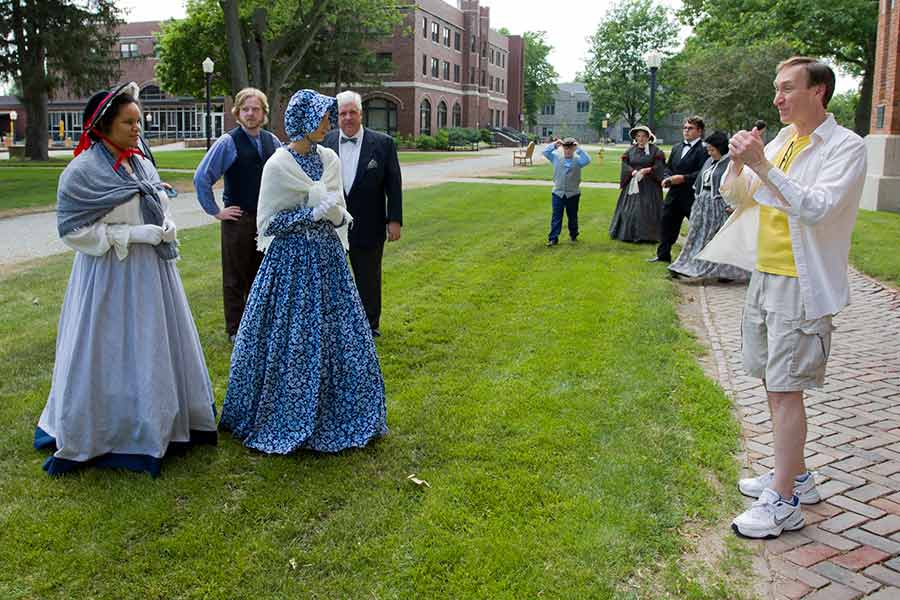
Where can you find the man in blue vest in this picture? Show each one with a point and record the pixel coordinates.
(239, 155)
(567, 167)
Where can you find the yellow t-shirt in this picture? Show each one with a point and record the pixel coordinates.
(774, 253)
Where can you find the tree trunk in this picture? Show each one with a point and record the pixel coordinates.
(237, 60)
(36, 130)
(276, 115)
(863, 118)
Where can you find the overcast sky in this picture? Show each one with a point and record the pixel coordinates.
(567, 24)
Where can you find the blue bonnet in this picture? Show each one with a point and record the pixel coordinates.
(305, 111)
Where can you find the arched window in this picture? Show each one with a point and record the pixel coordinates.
(151, 92)
(442, 115)
(425, 117)
(381, 115)
(457, 115)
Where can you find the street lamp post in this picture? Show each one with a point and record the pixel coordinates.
(13, 115)
(208, 70)
(148, 119)
(606, 125)
(653, 60)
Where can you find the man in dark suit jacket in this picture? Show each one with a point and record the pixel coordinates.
(370, 170)
(684, 164)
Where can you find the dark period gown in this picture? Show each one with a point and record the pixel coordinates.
(637, 216)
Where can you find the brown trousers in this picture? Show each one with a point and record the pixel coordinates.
(240, 262)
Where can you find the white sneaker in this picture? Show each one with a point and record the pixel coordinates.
(805, 490)
(768, 517)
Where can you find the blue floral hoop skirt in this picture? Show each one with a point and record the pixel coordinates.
(304, 372)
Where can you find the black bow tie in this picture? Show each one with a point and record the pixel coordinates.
(346, 139)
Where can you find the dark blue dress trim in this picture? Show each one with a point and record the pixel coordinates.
(140, 463)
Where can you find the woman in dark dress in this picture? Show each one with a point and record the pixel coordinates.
(639, 209)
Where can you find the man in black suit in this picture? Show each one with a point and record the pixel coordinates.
(370, 169)
(684, 164)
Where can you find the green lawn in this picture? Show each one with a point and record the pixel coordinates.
(874, 245)
(548, 396)
(597, 171)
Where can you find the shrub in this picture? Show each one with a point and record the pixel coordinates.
(442, 139)
(486, 136)
(425, 142)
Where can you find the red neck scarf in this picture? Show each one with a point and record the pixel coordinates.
(84, 142)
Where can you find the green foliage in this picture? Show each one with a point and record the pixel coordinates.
(843, 31)
(540, 76)
(486, 136)
(183, 45)
(616, 74)
(442, 139)
(706, 83)
(426, 142)
(844, 107)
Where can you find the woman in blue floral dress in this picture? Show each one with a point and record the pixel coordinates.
(304, 372)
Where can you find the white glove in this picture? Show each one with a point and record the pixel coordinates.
(145, 234)
(169, 231)
(335, 214)
(323, 208)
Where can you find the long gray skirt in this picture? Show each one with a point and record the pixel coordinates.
(130, 380)
(708, 214)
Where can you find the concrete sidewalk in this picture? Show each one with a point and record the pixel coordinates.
(850, 547)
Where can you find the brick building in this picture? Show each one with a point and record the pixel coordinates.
(450, 70)
(882, 188)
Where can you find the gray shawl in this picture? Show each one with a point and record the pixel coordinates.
(89, 188)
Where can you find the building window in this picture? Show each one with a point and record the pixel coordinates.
(380, 115)
(472, 75)
(128, 50)
(425, 27)
(435, 32)
(490, 116)
(483, 78)
(474, 44)
(484, 47)
(152, 92)
(457, 115)
(384, 62)
(425, 117)
(502, 60)
(492, 56)
(491, 83)
(424, 64)
(447, 36)
(584, 107)
(549, 109)
(435, 68)
(457, 40)
(446, 70)
(442, 115)
(456, 73)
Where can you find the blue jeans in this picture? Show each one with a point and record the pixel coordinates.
(570, 205)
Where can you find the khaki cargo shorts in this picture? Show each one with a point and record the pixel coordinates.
(779, 344)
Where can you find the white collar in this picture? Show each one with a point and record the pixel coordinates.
(358, 137)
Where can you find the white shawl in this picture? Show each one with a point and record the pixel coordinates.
(285, 186)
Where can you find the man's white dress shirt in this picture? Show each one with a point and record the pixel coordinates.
(349, 153)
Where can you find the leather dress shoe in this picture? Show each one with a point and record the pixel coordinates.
(657, 259)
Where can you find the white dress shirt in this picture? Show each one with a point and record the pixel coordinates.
(687, 146)
(820, 197)
(349, 153)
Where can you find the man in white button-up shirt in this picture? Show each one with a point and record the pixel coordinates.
(796, 201)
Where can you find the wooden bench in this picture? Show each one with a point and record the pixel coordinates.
(524, 157)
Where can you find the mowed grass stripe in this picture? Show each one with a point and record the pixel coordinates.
(547, 395)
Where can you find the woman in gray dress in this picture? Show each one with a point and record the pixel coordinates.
(708, 214)
(639, 209)
(129, 383)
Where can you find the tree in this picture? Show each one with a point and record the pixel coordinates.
(274, 46)
(49, 45)
(843, 31)
(539, 81)
(615, 73)
(844, 107)
(728, 102)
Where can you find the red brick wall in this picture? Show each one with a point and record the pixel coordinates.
(885, 97)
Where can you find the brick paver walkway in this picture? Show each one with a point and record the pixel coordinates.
(850, 547)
